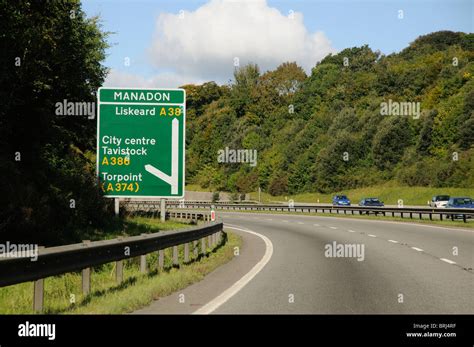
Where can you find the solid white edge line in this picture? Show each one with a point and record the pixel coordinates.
(417, 249)
(215, 303)
(447, 261)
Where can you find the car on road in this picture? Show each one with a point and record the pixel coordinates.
(460, 202)
(439, 201)
(371, 202)
(341, 200)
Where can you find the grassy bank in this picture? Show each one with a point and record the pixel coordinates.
(63, 293)
(388, 193)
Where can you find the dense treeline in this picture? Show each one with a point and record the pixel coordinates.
(328, 131)
(50, 52)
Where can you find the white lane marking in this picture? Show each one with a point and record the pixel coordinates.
(333, 227)
(215, 303)
(371, 235)
(392, 241)
(285, 221)
(417, 249)
(300, 223)
(316, 225)
(268, 219)
(351, 231)
(447, 261)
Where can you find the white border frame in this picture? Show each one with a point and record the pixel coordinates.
(157, 104)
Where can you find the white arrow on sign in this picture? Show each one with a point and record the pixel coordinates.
(173, 179)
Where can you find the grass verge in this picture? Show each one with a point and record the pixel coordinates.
(63, 294)
(389, 193)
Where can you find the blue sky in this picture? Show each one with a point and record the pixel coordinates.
(342, 23)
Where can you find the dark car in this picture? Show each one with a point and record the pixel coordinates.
(459, 202)
(371, 202)
(341, 200)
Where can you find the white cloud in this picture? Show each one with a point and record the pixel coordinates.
(201, 45)
(117, 78)
(204, 42)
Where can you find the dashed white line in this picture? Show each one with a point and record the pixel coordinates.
(316, 225)
(447, 261)
(371, 235)
(300, 223)
(393, 241)
(333, 227)
(268, 219)
(417, 249)
(285, 221)
(351, 231)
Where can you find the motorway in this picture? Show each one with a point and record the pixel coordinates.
(283, 267)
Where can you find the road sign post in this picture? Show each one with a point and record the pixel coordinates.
(140, 142)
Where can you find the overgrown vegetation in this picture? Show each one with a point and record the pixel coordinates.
(50, 52)
(337, 115)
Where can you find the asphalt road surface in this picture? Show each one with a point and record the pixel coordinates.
(285, 266)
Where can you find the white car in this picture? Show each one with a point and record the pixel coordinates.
(439, 201)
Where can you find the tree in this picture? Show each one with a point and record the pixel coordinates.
(390, 141)
(50, 52)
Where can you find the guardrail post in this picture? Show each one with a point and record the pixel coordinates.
(38, 292)
(175, 255)
(203, 246)
(38, 297)
(143, 263)
(119, 271)
(186, 252)
(163, 210)
(161, 259)
(195, 246)
(86, 274)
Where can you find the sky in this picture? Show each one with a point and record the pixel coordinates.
(166, 44)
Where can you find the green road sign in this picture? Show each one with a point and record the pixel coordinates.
(140, 142)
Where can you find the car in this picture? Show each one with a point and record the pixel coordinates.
(459, 202)
(341, 200)
(439, 201)
(371, 202)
